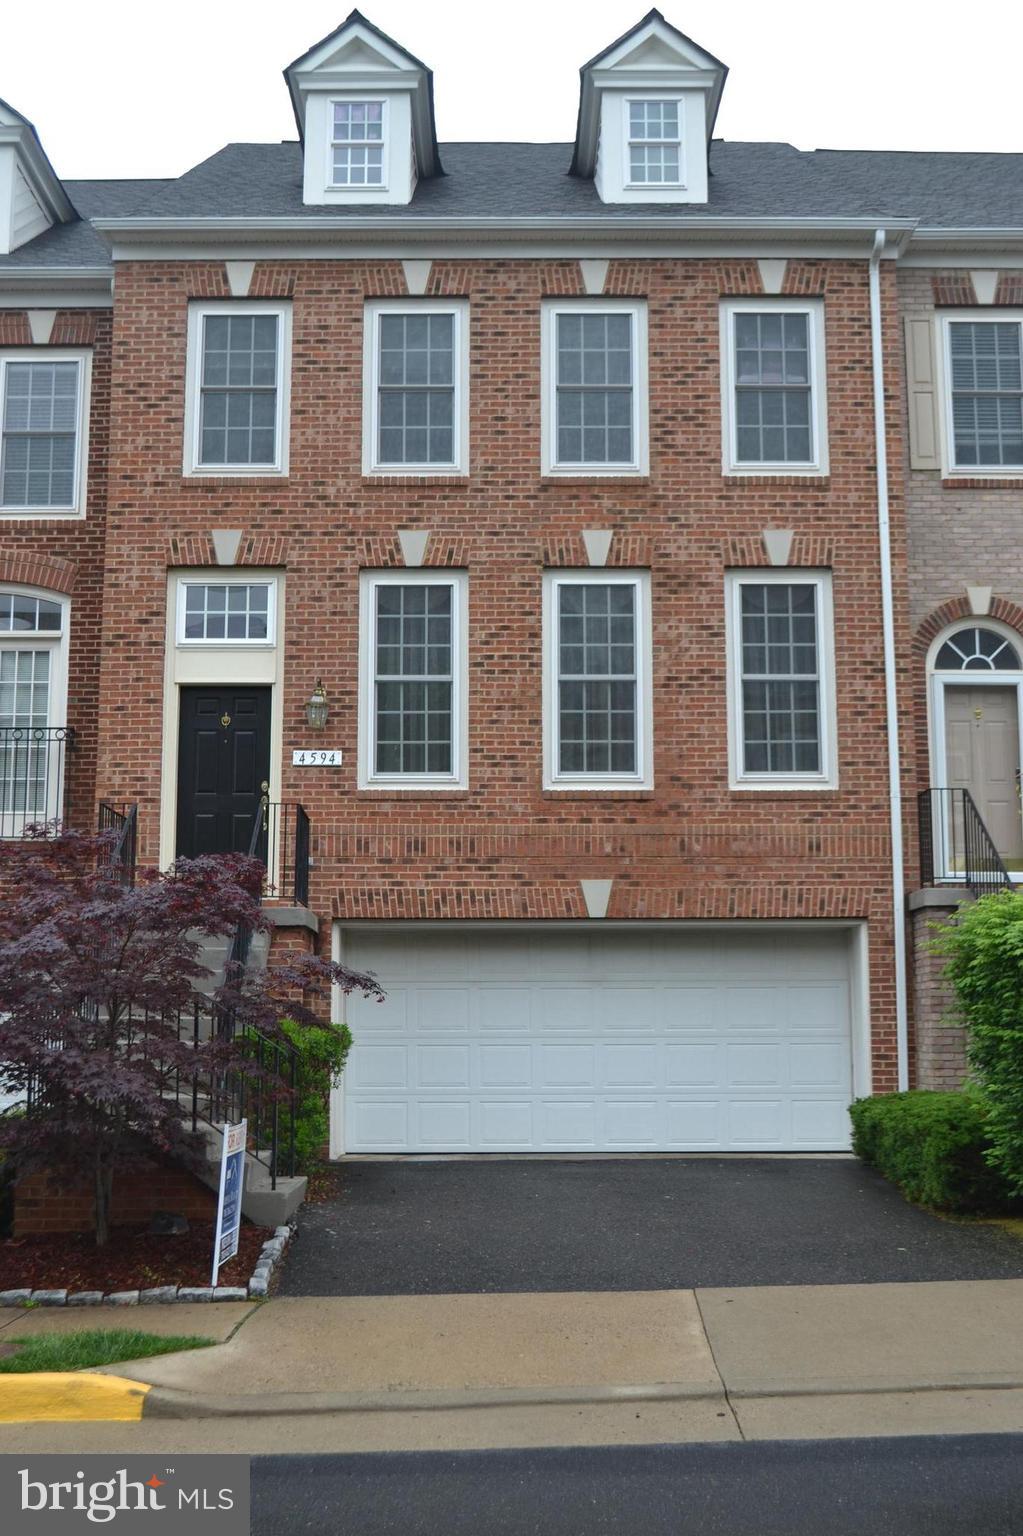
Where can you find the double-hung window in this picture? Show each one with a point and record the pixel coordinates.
(236, 415)
(33, 690)
(594, 387)
(358, 144)
(43, 398)
(654, 142)
(984, 370)
(597, 711)
(416, 389)
(782, 705)
(414, 680)
(773, 405)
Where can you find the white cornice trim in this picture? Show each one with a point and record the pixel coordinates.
(60, 287)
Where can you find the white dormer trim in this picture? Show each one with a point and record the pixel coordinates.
(652, 62)
(32, 199)
(358, 63)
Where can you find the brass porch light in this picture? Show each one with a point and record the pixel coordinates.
(317, 709)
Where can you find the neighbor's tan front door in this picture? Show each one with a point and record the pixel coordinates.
(982, 740)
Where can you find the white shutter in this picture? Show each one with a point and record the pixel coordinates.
(922, 387)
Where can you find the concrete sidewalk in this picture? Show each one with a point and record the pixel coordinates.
(761, 1341)
(467, 1371)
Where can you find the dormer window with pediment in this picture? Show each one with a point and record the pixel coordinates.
(365, 116)
(646, 112)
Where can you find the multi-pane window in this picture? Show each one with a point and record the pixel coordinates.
(977, 650)
(597, 638)
(238, 392)
(654, 144)
(413, 680)
(234, 612)
(415, 388)
(985, 362)
(594, 357)
(416, 415)
(357, 144)
(32, 744)
(773, 388)
(780, 643)
(41, 422)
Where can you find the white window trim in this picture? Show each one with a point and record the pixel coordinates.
(212, 577)
(814, 308)
(357, 190)
(628, 141)
(375, 308)
(197, 312)
(83, 357)
(738, 778)
(640, 464)
(57, 702)
(369, 584)
(949, 468)
(598, 783)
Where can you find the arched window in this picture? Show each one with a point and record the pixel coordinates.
(976, 649)
(33, 690)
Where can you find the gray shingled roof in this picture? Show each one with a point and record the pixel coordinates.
(524, 180)
(531, 181)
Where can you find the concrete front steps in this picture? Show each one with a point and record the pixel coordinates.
(262, 1204)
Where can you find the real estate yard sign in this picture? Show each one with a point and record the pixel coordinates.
(229, 1203)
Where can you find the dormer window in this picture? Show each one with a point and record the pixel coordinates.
(358, 144)
(654, 151)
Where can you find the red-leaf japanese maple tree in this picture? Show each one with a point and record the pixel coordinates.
(95, 975)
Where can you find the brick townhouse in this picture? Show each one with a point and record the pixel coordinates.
(537, 550)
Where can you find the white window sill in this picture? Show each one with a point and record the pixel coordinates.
(786, 785)
(413, 785)
(235, 471)
(594, 471)
(745, 471)
(417, 471)
(598, 787)
(16, 513)
(985, 472)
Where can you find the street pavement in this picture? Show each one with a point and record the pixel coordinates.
(965, 1486)
(627, 1224)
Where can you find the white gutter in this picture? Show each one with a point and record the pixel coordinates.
(890, 671)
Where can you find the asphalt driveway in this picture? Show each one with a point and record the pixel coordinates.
(632, 1224)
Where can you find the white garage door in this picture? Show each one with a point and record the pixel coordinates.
(615, 1040)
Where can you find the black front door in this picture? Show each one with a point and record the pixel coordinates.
(223, 765)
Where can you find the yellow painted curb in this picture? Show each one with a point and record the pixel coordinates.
(49, 1396)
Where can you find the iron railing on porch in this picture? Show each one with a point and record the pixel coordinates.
(281, 840)
(122, 821)
(955, 844)
(33, 776)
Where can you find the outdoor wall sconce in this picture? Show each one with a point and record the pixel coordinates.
(317, 709)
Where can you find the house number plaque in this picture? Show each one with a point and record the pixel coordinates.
(316, 757)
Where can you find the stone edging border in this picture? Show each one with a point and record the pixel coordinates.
(163, 1295)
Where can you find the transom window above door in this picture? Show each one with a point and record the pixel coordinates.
(976, 649)
(597, 715)
(231, 612)
(414, 680)
(236, 406)
(773, 384)
(594, 388)
(416, 389)
(984, 392)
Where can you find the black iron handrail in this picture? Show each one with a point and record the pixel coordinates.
(124, 821)
(956, 845)
(33, 776)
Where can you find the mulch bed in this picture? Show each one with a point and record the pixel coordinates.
(132, 1260)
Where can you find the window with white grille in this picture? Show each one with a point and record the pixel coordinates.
(984, 365)
(654, 145)
(42, 431)
(236, 408)
(358, 145)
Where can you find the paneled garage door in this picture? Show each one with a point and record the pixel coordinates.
(609, 1040)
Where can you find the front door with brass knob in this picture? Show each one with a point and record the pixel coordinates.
(982, 755)
(223, 769)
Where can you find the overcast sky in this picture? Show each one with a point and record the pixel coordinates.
(130, 88)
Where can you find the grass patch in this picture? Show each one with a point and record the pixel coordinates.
(92, 1346)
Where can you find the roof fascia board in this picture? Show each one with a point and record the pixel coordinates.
(68, 288)
(508, 249)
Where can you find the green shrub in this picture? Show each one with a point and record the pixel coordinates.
(322, 1053)
(984, 948)
(934, 1146)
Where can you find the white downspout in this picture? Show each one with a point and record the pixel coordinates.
(890, 671)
